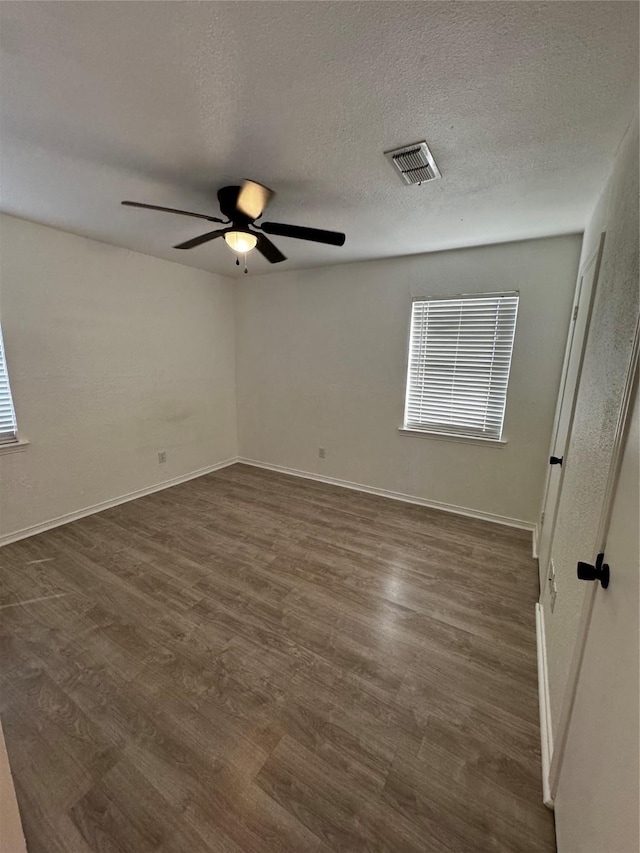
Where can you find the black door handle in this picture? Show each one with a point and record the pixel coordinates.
(599, 572)
(556, 460)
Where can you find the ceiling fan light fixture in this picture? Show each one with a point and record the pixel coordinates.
(240, 241)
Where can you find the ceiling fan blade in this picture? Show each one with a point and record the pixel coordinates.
(271, 252)
(253, 198)
(316, 235)
(171, 210)
(203, 238)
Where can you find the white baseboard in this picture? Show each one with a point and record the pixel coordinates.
(90, 510)
(396, 496)
(534, 541)
(546, 735)
(359, 487)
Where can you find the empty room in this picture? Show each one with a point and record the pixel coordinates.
(319, 430)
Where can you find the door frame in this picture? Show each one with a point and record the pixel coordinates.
(594, 258)
(560, 740)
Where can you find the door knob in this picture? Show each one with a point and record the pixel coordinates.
(556, 460)
(599, 572)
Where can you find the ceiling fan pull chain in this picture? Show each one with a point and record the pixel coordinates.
(237, 262)
(246, 271)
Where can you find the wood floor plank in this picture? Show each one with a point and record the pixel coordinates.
(47, 830)
(250, 662)
(461, 805)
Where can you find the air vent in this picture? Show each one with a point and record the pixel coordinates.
(415, 163)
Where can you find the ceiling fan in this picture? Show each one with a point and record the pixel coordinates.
(242, 206)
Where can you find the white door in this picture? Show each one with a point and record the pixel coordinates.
(582, 307)
(597, 801)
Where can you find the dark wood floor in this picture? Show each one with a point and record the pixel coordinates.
(251, 662)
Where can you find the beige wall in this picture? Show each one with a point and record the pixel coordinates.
(113, 356)
(598, 403)
(321, 361)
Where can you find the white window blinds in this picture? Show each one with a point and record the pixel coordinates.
(459, 361)
(8, 428)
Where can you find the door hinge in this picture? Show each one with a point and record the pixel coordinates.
(575, 312)
(541, 519)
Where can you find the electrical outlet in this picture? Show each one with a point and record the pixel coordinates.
(322, 452)
(162, 456)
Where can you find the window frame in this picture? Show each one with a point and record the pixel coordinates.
(17, 442)
(432, 432)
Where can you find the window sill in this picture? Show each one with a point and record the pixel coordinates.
(445, 436)
(14, 447)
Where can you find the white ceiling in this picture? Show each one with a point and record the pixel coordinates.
(522, 103)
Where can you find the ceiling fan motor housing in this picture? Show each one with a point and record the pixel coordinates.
(228, 200)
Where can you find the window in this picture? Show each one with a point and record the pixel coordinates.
(459, 360)
(8, 427)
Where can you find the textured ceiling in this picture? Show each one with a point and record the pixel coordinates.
(522, 103)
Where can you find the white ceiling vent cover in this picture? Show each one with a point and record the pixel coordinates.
(415, 163)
